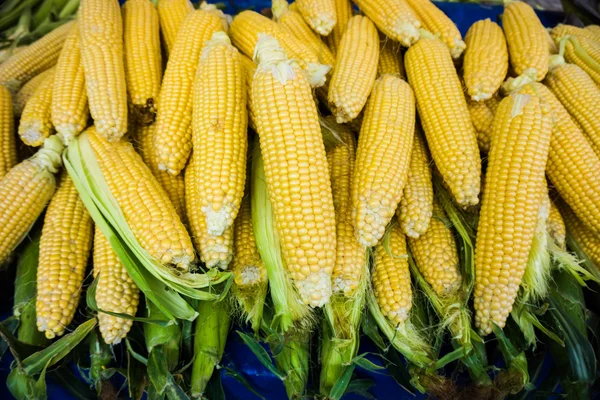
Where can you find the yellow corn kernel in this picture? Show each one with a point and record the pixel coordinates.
(486, 59)
(173, 141)
(343, 13)
(416, 207)
(33, 60)
(391, 276)
(390, 59)
(355, 69)
(482, 116)
(585, 237)
(436, 256)
(24, 193)
(556, 227)
(513, 197)
(8, 145)
(143, 138)
(143, 64)
(69, 109)
(172, 13)
(64, 250)
(445, 118)
(249, 68)
(146, 207)
(383, 157)
(435, 21)
(101, 38)
(395, 18)
(527, 40)
(36, 125)
(320, 14)
(248, 268)
(28, 89)
(115, 292)
(296, 170)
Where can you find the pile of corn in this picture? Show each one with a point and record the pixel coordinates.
(300, 153)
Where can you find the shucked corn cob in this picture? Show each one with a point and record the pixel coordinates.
(383, 157)
(249, 68)
(8, 146)
(482, 116)
(64, 250)
(296, 170)
(24, 193)
(248, 268)
(390, 58)
(320, 14)
(172, 13)
(594, 30)
(173, 141)
(28, 89)
(35, 124)
(394, 18)
(445, 118)
(508, 219)
(585, 238)
(562, 30)
(343, 13)
(556, 226)
(580, 50)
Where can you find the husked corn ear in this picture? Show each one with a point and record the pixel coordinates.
(35, 124)
(173, 141)
(320, 14)
(34, 59)
(436, 256)
(527, 40)
(28, 89)
(445, 118)
(115, 292)
(562, 30)
(482, 116)
(247, 26)
(350, 254)
(24, 193)
(486, 59)
(248, 268)
(594, 30)
(585, 237)
(383, 157)
(391, 276)
(8, 52)
(585, 53)
(172, 13)
(390, 58)
(579, 95)
(343, 13)
(435, 21)
(215, 250)
(249, 68)
(556, 227)
(552, 48)
(143, 136)
(416, 207)
(146, 207)
(69, 109)
(64, 250)
(296, 170)
(395, 18)
(514, 192)
(355, 69)
(101, 39)
(8, 146)
(143, 64)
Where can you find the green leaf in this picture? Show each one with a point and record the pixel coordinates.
(214, 389)
(158, 370)
(140, 358)
(361, 387)
(174, 391)
(370, 328)
(238, 377)
(11, 324)
(341, 384)
(78, 389)
(136, 377)
(261, 354)
(18, 349)
(362, 362)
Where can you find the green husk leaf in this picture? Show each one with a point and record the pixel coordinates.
(361, 387)
(365, 364)
(18, 349)
(158, 371)
(138, 357)
(76, 388)
(240, 378)
(516, 360)
(100, 357)
(293, 362)
(167, 337)
(136, 377)
(261, 354)
(341, 384)
(11, 324)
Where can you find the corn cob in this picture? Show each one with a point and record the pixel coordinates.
(355, 69)
(527, 40)
(579, 95)
(435, 21)
(524, 122)
(248, 268)
(390, 59)
(69, 109)
(8, 145)
(383, 157)
(215, 251)
(436, 256)
(556, 227)
(172, 13)
(486, 59)
(143, 64)
(562, 30)
(101, 38)
(36, 58)
(319, 14)
(343, 13)
(144, 204)
(482, 116)
(24, 193)
(445, 118)
(585, 237)
(36, 125)
(391, 276)
(64, 250)
(416, 207)
(28, 89)
(395, 18)
(246, 27)
(173, 185)
(220, 136)
(8, 52)
(594, 30)
(115, 292)
(173, 141)
(350, 255)
(249, 68)
(552, 47)
(304, 213)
